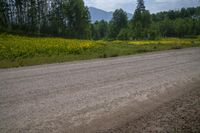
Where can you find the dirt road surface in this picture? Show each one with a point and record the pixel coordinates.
(155, 92)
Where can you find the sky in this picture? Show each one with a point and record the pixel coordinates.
(152, 5)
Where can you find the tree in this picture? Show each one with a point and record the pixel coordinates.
(77, 18)
(4, 18)
(19, 12)
(183, 27)
(58, 18)
(71, 19)
(141, 21)
(99, 30)
(140, 6)
(167, 27)
(32, 16)
(123, 34)
(118, 22)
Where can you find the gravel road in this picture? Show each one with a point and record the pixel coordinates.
(105, 95)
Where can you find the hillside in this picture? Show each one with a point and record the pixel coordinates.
(98, 14)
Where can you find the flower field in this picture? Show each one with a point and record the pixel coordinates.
(18, 51)
(12, 47)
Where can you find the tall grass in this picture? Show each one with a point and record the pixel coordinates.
(21, 51)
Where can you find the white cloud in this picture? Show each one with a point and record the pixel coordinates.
(166, 0)
(152, 5)
(108, 5)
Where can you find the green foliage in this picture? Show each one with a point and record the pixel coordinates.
(118, 22)
(4, 21)
(141, 23)
(78, 18)
(71, 19)
(124, 34)
(99, 30)
(32, 15)
(154, 32)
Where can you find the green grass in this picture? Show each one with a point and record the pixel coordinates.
(16, 51)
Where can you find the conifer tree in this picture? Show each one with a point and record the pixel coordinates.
(141, 21)
(140, 5)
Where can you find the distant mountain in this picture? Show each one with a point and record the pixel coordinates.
(98, 14)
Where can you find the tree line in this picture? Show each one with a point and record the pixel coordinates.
(71, 19)
(143, 25)
(68, 18)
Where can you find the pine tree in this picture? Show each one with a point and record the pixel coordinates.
(140, 5)
(141, 20)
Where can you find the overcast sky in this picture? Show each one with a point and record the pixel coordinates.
(152, 5)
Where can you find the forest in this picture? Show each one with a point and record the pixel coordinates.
(71, 19)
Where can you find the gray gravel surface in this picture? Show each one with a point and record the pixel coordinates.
(95, 95)
(178, 115)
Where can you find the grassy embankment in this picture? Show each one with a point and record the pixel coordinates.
(18, 51)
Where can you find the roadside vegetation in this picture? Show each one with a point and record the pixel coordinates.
(18, 51)
(36, 31)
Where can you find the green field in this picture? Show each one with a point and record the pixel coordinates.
(16, 51)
